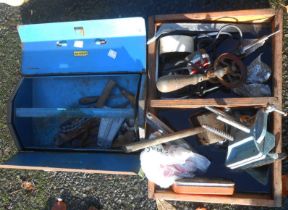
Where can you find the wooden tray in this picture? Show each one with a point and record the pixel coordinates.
(153, 104)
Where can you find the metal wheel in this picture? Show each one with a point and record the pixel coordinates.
(237, 70)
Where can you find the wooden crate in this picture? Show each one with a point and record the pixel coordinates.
(241, 16)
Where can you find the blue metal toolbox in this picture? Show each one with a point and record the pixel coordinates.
(63, 66)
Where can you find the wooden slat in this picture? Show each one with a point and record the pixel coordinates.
(151, 189)
(277, 165)
(277, 56)
(151, 93)
(151, 84)
(43, 168)
(277, 119)
(253, 16)
(238, 199)
(217, 102)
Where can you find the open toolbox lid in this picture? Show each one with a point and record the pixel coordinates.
(112, 163)
(94, 46)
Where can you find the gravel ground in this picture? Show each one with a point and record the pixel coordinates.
(81, 190)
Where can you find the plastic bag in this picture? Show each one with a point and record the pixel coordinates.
(163, 164)
(258, 71)
(257, 74)
(253, 90)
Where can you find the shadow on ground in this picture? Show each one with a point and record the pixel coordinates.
(40, 11)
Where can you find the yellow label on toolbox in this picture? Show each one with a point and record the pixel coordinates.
(81, 53)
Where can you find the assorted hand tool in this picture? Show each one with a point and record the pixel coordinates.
(249, 146)
(228, 70)
(82, 132)
(76, 127)
(188, 66)
(197, 68)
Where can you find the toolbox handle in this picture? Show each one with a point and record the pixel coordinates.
(100, 41)
(79, 30)
(61, 43)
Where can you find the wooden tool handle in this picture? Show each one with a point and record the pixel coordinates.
(88, 100)
(105, 93)
(163, 139)
(171, 83)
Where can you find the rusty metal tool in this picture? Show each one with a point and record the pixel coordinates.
(93, 99)
(203, 186)
(218, 132)
(130, 97)
(75, 127)
(228, 70)
(163, 139)
(209, 122)
(105, 94)
(237, 70)
(88, 100)
(75, 132)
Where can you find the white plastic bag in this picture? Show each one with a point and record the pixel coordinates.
(163, 164)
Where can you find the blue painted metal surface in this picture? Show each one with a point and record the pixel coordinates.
(112, 162)
(64, 62)
(43, 103)
(96, 46)
(75, 112)
(65, 91)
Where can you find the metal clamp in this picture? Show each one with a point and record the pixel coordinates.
(251, 146)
